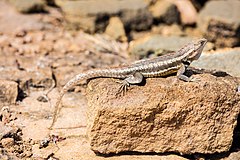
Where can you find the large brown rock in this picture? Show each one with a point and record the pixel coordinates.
(164, 115)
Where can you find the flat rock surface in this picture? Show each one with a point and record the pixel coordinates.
(227, 60)
(166, 115)
(93, 7)
(91, 15)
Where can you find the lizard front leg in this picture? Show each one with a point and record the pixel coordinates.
(135, 78)
(181, 71)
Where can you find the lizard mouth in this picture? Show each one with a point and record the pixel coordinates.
(203, 42)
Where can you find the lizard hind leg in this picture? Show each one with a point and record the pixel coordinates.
(135, 78)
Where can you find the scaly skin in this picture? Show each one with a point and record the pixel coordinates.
(175, 62)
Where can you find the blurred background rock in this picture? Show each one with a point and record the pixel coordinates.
(44, 43)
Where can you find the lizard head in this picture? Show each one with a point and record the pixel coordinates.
(197, 49)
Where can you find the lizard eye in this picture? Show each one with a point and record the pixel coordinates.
(203, 41)
(186, 63)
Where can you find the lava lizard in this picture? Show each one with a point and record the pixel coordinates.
(175, 62)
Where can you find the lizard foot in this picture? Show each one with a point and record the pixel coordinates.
(194, 79)
(123, 87)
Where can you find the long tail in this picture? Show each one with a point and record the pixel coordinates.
(85, 76)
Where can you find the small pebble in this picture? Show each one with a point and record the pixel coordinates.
(7, 142)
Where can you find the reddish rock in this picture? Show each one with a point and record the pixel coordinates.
(187, 11)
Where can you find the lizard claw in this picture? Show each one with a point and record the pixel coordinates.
(194, 79)
(123, 87)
